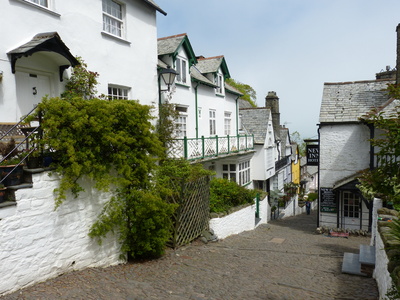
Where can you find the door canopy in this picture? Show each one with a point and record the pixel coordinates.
(47, 42)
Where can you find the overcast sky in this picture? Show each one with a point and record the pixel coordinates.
(290, 46)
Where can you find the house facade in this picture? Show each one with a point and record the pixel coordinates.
(345, 150)
(117, 39)
(207, 124)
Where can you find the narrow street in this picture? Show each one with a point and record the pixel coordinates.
(285, 259)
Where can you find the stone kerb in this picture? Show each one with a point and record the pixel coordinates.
(39, 242)
(241, 220)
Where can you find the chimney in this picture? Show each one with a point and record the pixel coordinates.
(272, 102)
(398, 55)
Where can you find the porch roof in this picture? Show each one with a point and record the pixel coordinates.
(47, 42)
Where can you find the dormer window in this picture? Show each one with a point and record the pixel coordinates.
(181, 68)
(219, 81)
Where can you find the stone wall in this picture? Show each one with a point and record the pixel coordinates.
(39, 242)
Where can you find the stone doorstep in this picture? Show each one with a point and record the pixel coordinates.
(367, 255)
(351, 264)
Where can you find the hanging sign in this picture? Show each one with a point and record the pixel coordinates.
(312, 155)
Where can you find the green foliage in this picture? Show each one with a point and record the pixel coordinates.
(142, 220)
(82, 82)
(249, 94)
(312, 196)
(111, 142)
(296, 138)
(166, 125)
(384, 181)
(290, 189)
(225, 194)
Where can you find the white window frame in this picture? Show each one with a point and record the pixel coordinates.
(43, 3)
(219, 81)
(182, 68)
(244, 172)
(213, 121)
(227, 122)
(351, 205)
(181, 121)
(47, 7)
(118, 92)
(113, 19)
(229, 172)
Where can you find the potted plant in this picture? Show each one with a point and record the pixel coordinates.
(11, 169)
(2, 193)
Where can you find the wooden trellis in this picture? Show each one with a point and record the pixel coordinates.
(192, 216)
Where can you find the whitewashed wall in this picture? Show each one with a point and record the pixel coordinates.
(242, 220)
(381, 273)
(38, 242)
(130, 61)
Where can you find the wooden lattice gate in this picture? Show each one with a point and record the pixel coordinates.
(193, 214)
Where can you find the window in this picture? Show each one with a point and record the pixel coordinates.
(244, 172)
(227, 123)
(43, 3)
(181, 68)
(351, 205)
(212, 122)
(229, 172)
(117, 92)
(219, 82)
(113, 18)
(181, 121)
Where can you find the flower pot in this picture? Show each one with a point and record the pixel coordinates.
(14, 178)
(3, 194)
(33, 162)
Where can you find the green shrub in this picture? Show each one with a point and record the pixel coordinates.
(225, 194)
(312, 196)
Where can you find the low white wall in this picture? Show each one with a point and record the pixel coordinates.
(293, 208)
(242, 220)
(381, 273)
(38, 242)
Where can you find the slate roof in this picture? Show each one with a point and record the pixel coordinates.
(232, 90)
(390, 109)
(244, 104)
(348, 101)
(255, 121)
(197, 76)
(168, 45)
(210, 64)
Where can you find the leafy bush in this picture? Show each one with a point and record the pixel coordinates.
(225, 194)
(312, 196)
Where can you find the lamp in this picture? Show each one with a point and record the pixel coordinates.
(168, 76)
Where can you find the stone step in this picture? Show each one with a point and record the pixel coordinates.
(351, 264)
(367, 255)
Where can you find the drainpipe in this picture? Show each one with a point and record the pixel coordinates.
(237, 116)
(197, 110)
(371, 167)
(319, 174)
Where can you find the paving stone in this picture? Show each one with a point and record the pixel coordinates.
(284, 259)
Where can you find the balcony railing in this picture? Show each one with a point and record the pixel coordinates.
(283, 162)
(205, 147)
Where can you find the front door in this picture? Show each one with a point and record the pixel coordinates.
(351, 210)
(31, 88)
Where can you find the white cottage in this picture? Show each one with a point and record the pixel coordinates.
(345, 150)
(208, 129)
(117, 39)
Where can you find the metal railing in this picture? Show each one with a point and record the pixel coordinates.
(205, 147)
(23, 144)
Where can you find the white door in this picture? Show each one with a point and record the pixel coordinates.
(351, 210)
(31, 88)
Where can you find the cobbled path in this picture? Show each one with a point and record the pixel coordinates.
(284, 259)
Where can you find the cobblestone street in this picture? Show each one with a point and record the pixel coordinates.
(285, 259)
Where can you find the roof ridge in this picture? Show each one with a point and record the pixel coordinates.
(172, 36)
(203, 58)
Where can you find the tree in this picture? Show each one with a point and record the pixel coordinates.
(249, 94)
(296, 138)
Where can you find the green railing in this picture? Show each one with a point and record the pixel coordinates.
(205, 147)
